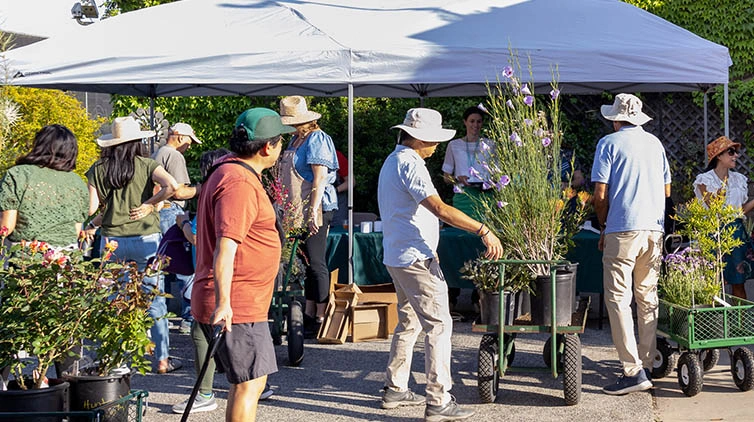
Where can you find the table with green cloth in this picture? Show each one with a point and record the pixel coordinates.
(455, 248)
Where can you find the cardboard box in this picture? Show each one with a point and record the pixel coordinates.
(379, 293)
(334, 329)
(369, 322)
(375, 294)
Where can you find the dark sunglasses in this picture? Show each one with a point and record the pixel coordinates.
(733, 151)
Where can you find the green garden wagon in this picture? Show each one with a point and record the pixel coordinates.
(700, 333)
(497, 348)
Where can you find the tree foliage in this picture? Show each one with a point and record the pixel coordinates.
(727, 23)
(41, 107)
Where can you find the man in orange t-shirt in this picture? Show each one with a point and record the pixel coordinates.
(238, 252)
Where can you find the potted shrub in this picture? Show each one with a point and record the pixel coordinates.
(52, 299)
(693, 277)
(486, 279)
(532, 214)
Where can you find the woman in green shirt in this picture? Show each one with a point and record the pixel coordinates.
(123, 180)
(40, 197)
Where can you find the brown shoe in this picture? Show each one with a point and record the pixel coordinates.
(172, 365)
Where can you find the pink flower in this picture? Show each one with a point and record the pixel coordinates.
(3, 231)
(508, 71)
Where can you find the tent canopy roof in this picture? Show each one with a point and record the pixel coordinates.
(398, 48)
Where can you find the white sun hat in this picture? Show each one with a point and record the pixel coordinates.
(626, 108)
(425, 124)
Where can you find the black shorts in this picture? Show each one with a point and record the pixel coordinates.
(246, 352)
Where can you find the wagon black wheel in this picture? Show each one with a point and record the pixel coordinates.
(741, 366)
(572, 369)
(295, 335)
(709, 358)
(547, 356)
(664, 360)
(487, 375)
(690, 374)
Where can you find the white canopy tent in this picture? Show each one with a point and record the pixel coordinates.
(382, 48)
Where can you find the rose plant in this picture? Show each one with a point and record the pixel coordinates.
(51, 299)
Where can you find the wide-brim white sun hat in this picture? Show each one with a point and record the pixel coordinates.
(425, 124)
(124, 129)
(625, 108)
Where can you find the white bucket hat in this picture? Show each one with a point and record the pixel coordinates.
(425, 124)
(124, 129)
(626, 108)
(293, 111)
(186, 130)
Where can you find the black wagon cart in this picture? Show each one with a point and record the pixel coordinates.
(497, 348)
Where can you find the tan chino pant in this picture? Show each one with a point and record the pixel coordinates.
(631, 262)
(422, 306)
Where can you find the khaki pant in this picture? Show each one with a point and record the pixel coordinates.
(632, 258)
(422, 306)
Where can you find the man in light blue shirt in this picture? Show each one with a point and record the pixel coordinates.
(411, 209)
(631, 179)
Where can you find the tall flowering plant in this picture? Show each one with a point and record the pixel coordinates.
(287, 216)
(532, 214)
(51, 299)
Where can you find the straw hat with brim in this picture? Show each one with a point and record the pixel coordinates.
(425, 124)
(720, 145)
(124, 129)
(293, 111)
(626, 108)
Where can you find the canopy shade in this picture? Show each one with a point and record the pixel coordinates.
(383, 48)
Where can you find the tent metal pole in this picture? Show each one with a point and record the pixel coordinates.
(350, 183)
(706, 129)
(725, 104)
(152, 96)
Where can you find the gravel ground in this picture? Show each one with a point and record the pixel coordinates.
(343, 382)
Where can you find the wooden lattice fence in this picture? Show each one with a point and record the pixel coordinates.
(679, 123)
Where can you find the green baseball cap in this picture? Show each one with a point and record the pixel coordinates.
(262, 123)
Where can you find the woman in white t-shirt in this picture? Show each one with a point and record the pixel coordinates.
(465, 167)
(722, 154)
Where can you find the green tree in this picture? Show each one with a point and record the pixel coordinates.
(41, 107)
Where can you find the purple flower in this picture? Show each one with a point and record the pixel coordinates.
(529, 100)
(485, 185)
(503, 182)
(525, 89)
(501, 204)
(546, 142)
(457, 189)
(481, 106)
(516, 139)
(484, 147)
(528, 122)
(539, 132)
(474, 173)
(508, 71)
(555, 93)
(509, 103)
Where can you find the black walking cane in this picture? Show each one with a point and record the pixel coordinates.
(216, 336)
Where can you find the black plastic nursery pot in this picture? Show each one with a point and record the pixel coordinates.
(91, 391)
(23, 402)
(541, 299)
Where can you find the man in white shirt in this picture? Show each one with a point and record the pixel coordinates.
(411, 209)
